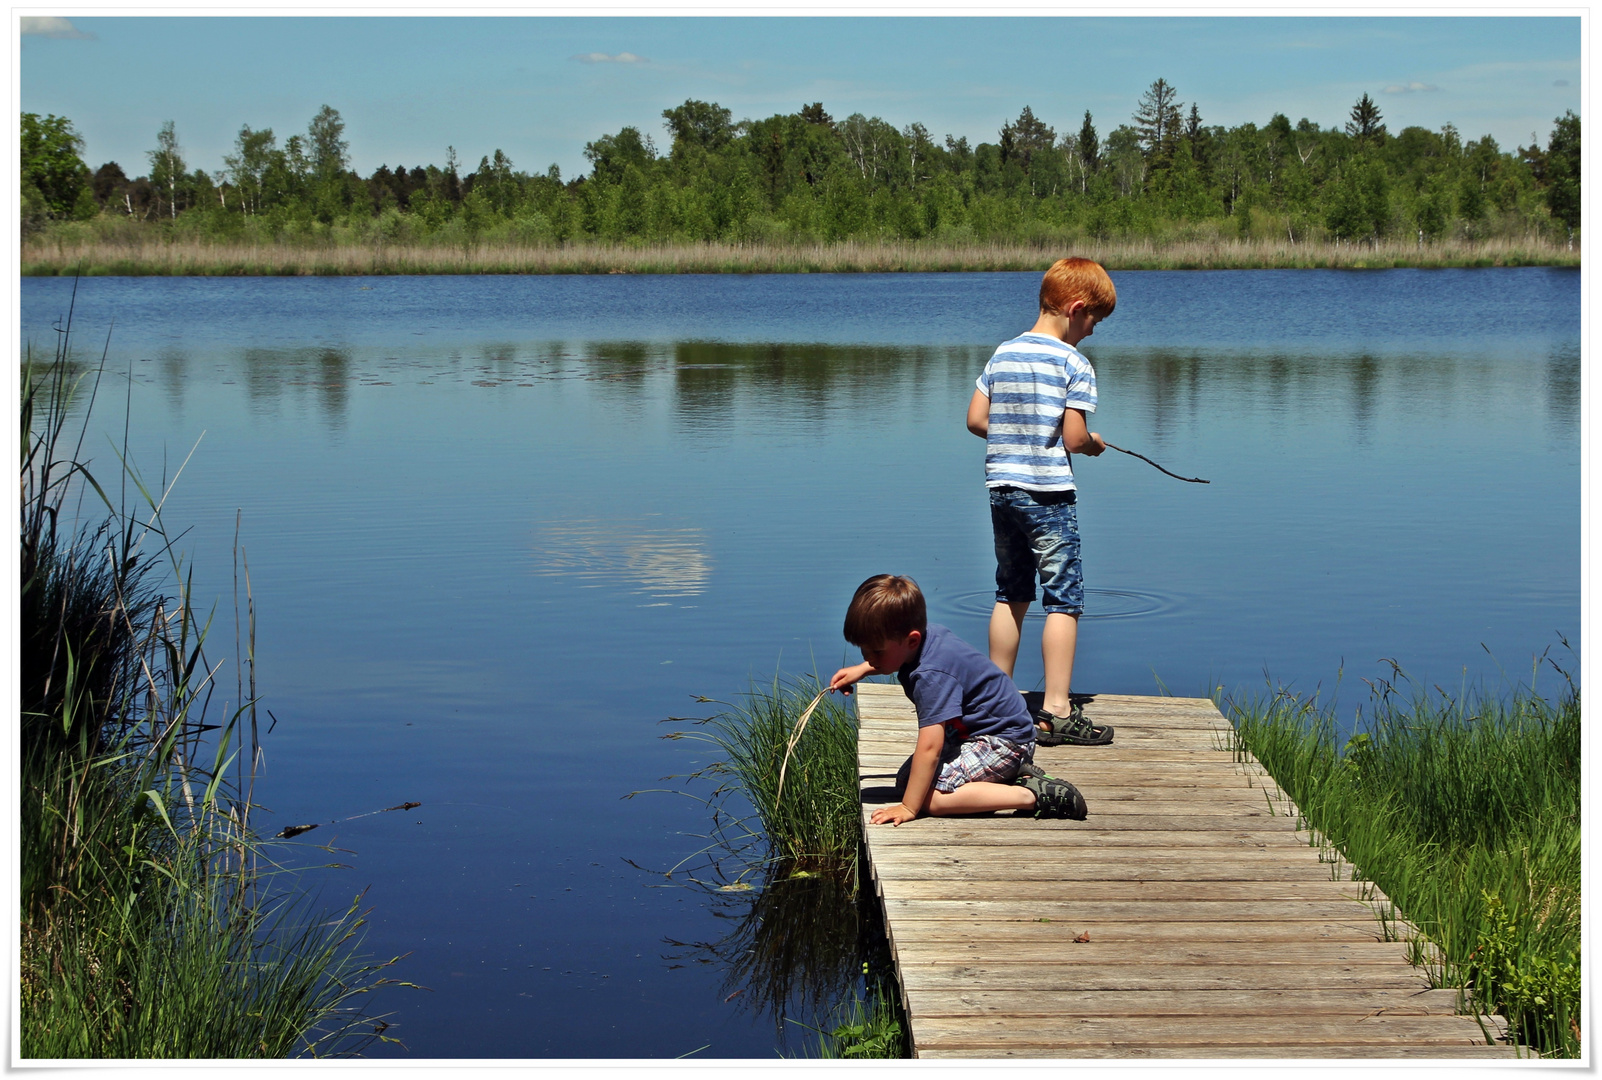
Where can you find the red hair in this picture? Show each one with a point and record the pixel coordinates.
(1077, 279)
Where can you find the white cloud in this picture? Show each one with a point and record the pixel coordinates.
(602, 58)
(53, 26)
(1411, 88)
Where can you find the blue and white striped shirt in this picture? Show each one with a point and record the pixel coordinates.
(1030, 381)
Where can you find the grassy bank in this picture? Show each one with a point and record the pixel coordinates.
(153, 922)
(52, 255)
(1466, 812)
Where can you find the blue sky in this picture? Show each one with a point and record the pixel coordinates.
(539, 88)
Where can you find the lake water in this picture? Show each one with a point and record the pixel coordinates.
(498, 529)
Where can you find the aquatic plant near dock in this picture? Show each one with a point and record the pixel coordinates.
(782, 865)
(813, 819)
(864, 1028)
(1466, 812)
(153, 923)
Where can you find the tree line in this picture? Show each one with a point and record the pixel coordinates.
(807, 177)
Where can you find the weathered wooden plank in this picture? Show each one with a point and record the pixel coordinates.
(1132, 822)
(1103, 949)
(962, 931)
(1068, 1033)
(1065, 853)
(1047, 978)
(1166, 759)
(1085, 892)
(1129, 843)
(1021, 867)
(1085, 911)
(1204, 1003)
(1101, 804)
(1140, 1051)
(924, 864)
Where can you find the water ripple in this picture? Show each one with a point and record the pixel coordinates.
(1099, 604)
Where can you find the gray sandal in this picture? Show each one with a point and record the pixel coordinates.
(1071, 730)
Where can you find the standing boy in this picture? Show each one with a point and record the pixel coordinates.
(1030, 408)
(976, 745)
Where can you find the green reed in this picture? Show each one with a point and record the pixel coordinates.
(816, 819)
(866, 1027)
(154, 922)
(1465, 811)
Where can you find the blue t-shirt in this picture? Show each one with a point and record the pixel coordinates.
(1030, 381)
(952, 683)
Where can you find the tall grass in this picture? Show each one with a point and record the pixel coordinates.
(815, 821)
(154, 923)
(70, 253)
(1466, 812)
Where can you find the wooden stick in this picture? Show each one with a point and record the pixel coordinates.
(1153, 464)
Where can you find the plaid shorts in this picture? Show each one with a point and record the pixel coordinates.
(983, 757)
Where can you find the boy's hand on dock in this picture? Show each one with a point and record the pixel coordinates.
(895, 815)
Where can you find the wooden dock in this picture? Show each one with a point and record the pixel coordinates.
(1187, 918)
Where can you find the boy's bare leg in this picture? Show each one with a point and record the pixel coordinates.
(1006, 628)
(1057, 644)
(979, 797)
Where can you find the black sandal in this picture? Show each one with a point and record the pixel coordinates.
(1054, 798)
(1071, 730)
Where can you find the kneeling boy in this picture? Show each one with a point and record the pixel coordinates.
(976, 739)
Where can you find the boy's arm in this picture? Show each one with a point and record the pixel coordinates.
(847, 677)
(920, 780)
(979, 414)
(1077, 438)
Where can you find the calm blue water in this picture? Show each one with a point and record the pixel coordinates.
(499, 528)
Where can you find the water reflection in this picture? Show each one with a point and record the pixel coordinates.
(1563, 388)
(709, 386)
(796, 945)
(172, 369)
(271, 375)
(1169, 386)
(664, 563)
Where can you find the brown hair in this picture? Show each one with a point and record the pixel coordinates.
(1077, 279)
(885, 607)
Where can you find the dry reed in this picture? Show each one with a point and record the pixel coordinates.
(48, 255)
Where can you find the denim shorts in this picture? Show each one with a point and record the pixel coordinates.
(1037, 533)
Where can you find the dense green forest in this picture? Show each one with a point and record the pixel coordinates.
(806, 177)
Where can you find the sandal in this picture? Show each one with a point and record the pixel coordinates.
(1071, 730)
(1053, 798)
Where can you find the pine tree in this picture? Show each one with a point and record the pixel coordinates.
(1157, 121)
(1365, 125)
(1089, 145)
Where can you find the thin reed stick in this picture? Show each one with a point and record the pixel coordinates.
(795, 737)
